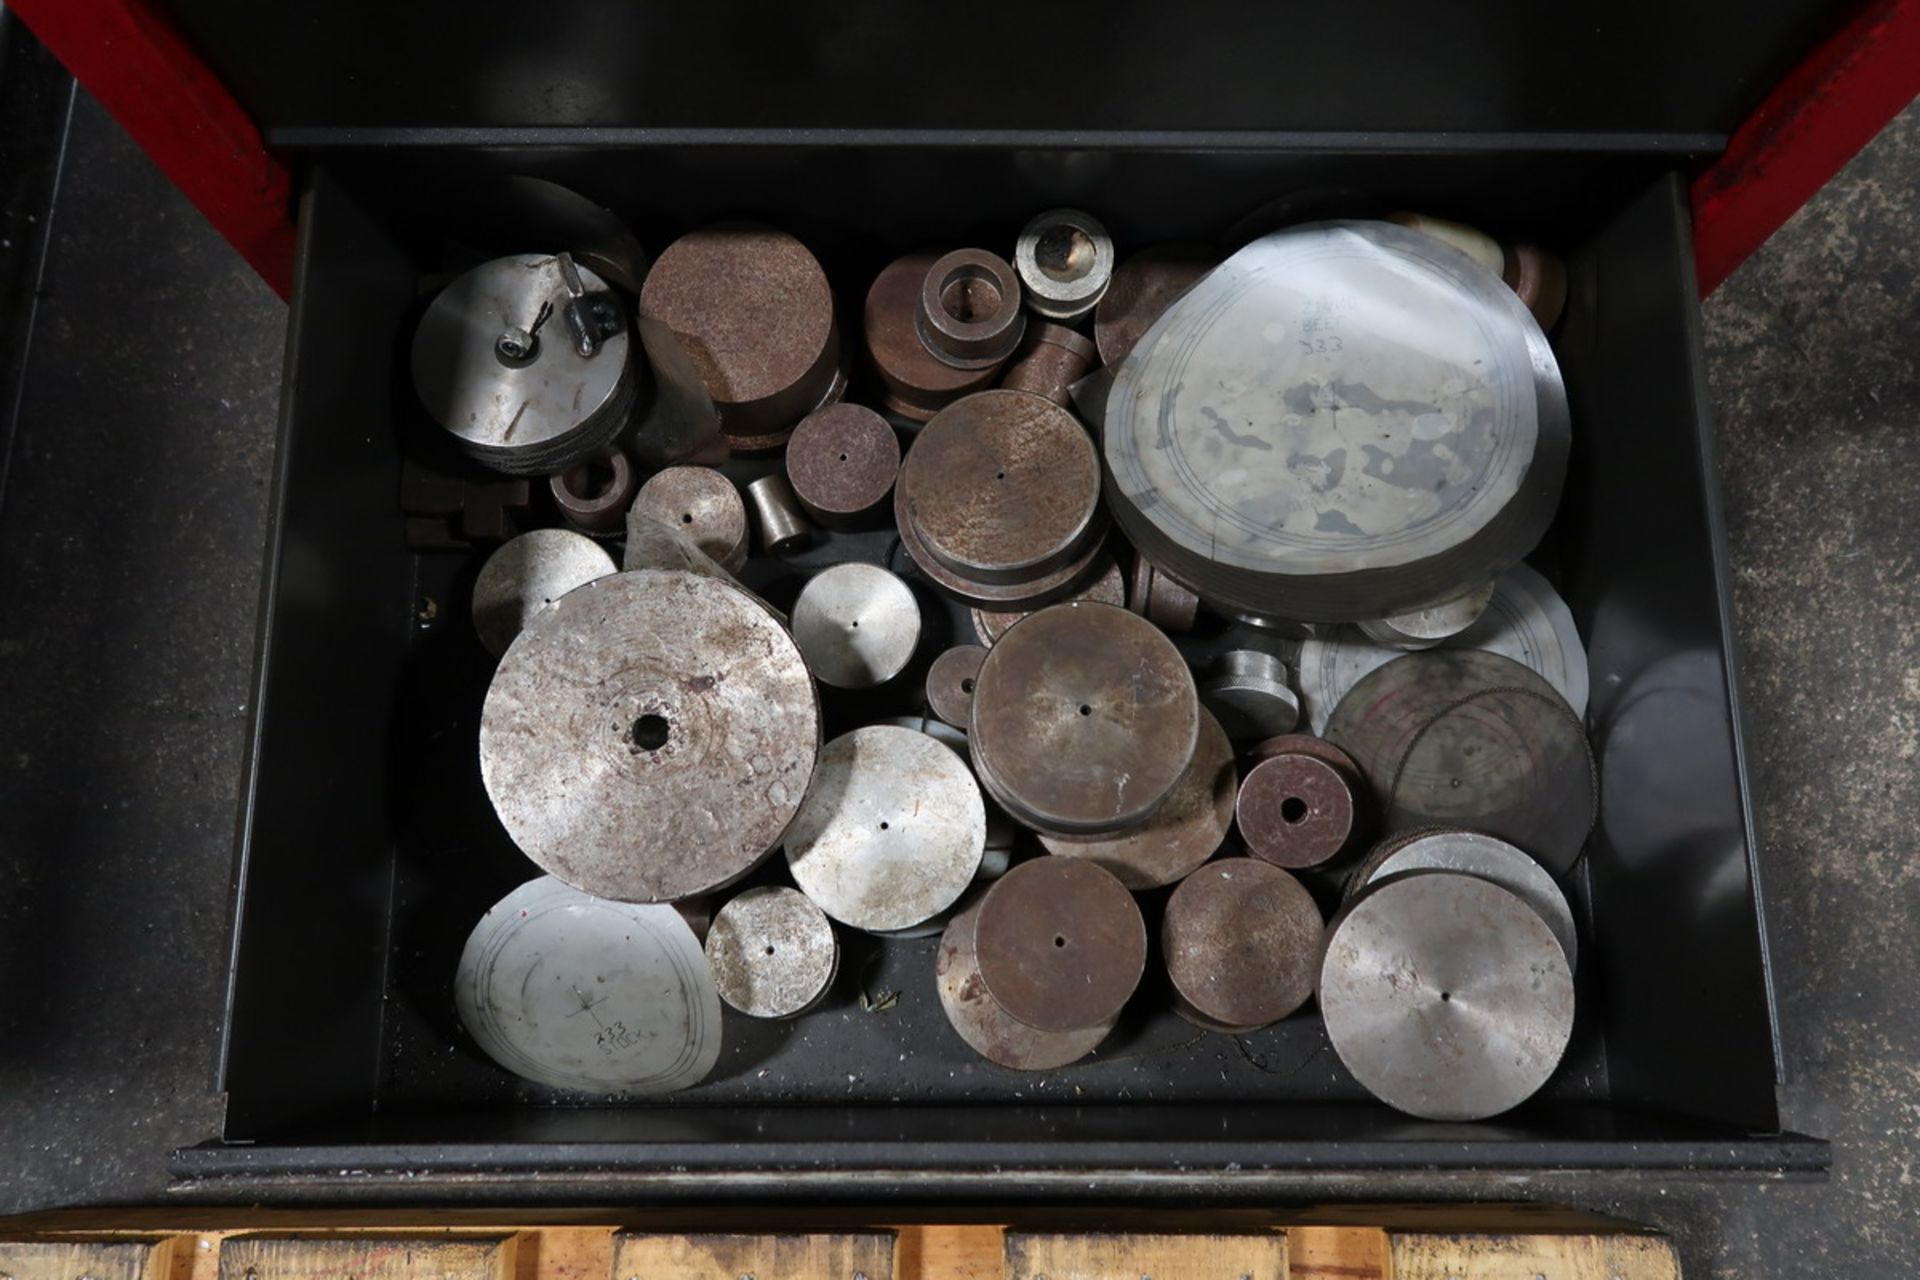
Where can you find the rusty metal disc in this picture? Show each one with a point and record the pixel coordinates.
(1305, 744)
(1184, 833)
(1476, 854)
(1297, 811)
(633, 757)
(998, 500)
(1084, 719)
(1159, 599)
(1145, 285)
(593, 496)
(1247, 690)
(950, 682)
(703, 504)
(525, 575)
(1445, 995)
(986, 1027)
(891, 833)
(754, 312)
(918, 383)
(842, 462)
(857, 624)
(773, 952)
(1050, 360)
(1241, 940)
(1107, 587)
(1060, 943)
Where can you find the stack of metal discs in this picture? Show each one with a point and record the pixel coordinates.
(1471, 853)
(498, 362)
(1342, 421)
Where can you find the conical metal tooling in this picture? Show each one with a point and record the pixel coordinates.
(1343, 420)
(526, 361)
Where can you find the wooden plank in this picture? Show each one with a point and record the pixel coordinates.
(147, 1259)
(1127, 1256)
(1538, 1257)
(367, 1257)
(856, 1255)
(1337, 1253)
(943, 1251)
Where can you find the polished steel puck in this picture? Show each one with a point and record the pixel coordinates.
(525, 575)
(950, 683)
(773, 952)
(857, 624)
(987, 1028)
(1247, 691)
(1241, 941)
(1472, 853)
(704, 505)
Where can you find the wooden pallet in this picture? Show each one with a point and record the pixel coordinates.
(1354, 1243)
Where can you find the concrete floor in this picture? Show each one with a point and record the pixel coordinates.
(148, 405)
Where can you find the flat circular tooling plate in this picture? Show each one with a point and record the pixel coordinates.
(1472, 853)
(525, 575)
(892, 832)
(1241, 940)
(577, 992)
(1061, 944)
(772, 951)
(1445, 995)
(987, 1028)
(857, 624)
(650, 736)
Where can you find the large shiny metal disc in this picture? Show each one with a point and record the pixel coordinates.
(1445, 995)
(1343, 420)
(651, 736)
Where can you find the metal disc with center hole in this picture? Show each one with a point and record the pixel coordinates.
(1184, 833)
(1305, 744)
(1524, 620)
(1108, 586)
(986, 1027)
(1445, 995)
(1084, 718)
(1143, 286)
(1429, 625)
(842, 462)
(650, 736)
(1476, 854)
(1060, 943)
(1241, 940)
(1247, 690)
(526, 574)
(1343, 420)
(703, 504)
(773, 952)
(1297, 811)
(531, 414)
(578, 992)
(950, 682)
(891, 833)
(998, 500)
(857, 624)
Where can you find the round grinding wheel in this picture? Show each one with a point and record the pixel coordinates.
(999, 500)
(1183, 834)
(704, 505)
(754, 313)
(1143, 287)
(527, 574)
(950, 682)
(986, 1027)
(1247, 690)
(892, 831)
(632, 756)
(1445, 995)
(1524, 620)
(857, 624)
(1297, 811)
(577, 992)
(773, 952)
(1084, 719)
(1462, 738)
(1342, 420)
(1241, 940)
(1492, 859)
(842, 462)
(494, 364)
(1060, 943)
(1108, 587)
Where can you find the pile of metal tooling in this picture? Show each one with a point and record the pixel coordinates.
(1326, 453)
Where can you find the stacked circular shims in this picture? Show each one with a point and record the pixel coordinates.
(633, 757)
(525, 575)
(1035, 974)
(891, 833)
(1183, 833)
(494, 363)
(1241, 941)
(773, 952)
(857, 624)
(1476, 854)
(704, 505)
(1084, 720)
(998, 501)
(842, 462)
(1446, 995)
(577, 992)
(1343, 420)
(753, 310)
(1107, 587)
(1525, 619)
(1463, 738)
